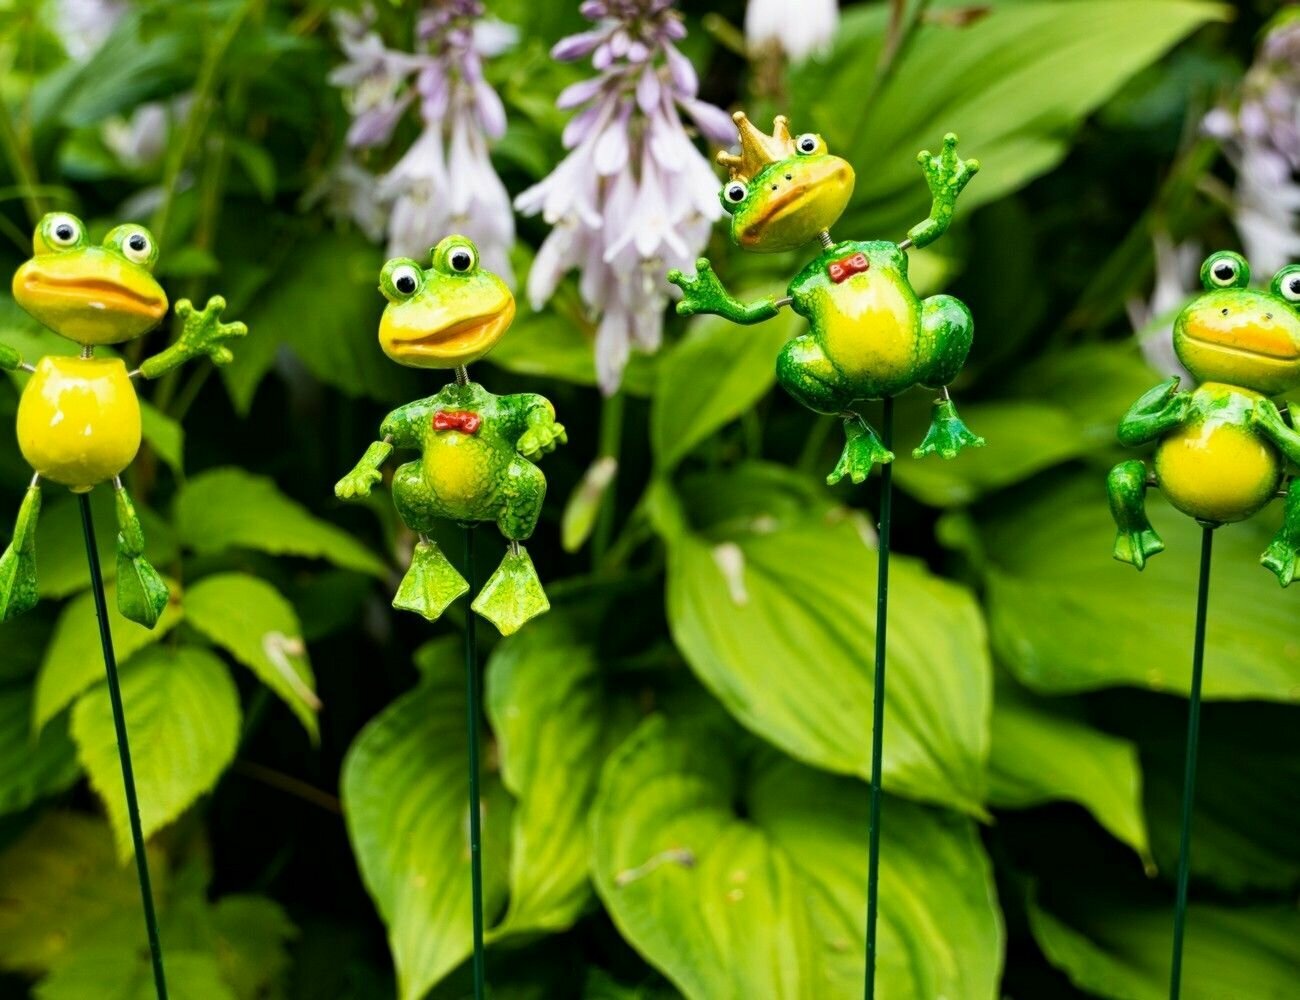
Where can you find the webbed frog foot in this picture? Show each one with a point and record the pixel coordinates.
(18, 592)
(1282, 559)
(862, 450)
(1135, 540)
(513, 594)
(948, 433)
(431, 584)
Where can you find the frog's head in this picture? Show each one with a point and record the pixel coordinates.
(449, 315)
(1243, 336)
(782, 191)
(91, 294)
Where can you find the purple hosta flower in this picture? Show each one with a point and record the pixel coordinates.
(350, 191)
(1262, 139)
(633, 197)
(375, 80)
(799, 28)
(84, 25)
(1153, 321)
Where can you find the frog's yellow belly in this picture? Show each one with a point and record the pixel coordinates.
(79, 421)
(458, 470)
(869, 330)
(1218, 472)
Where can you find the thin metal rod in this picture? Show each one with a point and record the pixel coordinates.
(471, 716)
(123, 748)
(878, 695)
(1189, 772)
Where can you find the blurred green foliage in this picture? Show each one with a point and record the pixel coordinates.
(675, 800)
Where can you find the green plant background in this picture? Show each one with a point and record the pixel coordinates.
(674, 800)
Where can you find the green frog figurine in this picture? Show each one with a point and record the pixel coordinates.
(79, 417)
(477, 450)
(1223, 449)
(870, 336)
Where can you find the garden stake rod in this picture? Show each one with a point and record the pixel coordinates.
(123, 749)
(878, 696)
(475, 831)
(1189, 764)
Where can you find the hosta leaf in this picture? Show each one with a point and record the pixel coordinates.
(1118, 947)
(1066, 617)
(252, 940)
(1040, 754)
(61, 549)
(252, 621)
(182, 718)
(1013, 85)
(404, 798)
(229, 508)
(62, 887)
(110, 971)
(778, 621)
(739, 873)
(164, 435)
(74, 659)
(31, 766)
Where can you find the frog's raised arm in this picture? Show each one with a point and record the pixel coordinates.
(947, 175)
(1268, 419)
(532, 418)
(705, 294)
(1157, 411)
(202, 333)
(403, 428)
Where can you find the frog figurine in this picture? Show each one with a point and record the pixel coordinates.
(477, 450)
(869, 336)
(79, 417)
(1223, 449)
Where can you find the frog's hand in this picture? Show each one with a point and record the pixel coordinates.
(357, 483)
(201, 333)
(541, 439)
(704, 294)
(1268, 420)
(947, 175)
(10, 360)
(1158, 411)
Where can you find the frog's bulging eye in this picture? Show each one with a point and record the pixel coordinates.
(1225, 270)
(807, 143)
(63, 231)
(137, 247)
(735, 192)
(1287, 283)
(406, 280)
(460, 259)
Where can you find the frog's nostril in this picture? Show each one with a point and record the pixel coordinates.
(1225, 312)
(789, 177)
(1268, 315)
(773, 187)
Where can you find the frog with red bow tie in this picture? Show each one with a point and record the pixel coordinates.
(477, 450)
(870, 336)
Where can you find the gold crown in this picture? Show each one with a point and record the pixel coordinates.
(757, 149)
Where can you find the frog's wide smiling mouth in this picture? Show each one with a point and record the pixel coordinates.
(463, 336)
(1263, 342)
(95, 293)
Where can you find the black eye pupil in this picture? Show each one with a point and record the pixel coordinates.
(460, 260)
(808, 145)
(405, 283)
(63, 232)
(1294, 285)
(137, 242)
(1224, 271)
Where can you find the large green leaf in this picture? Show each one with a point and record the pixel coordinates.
(404, 798)
(1118, 947)
(110, 971)
(252, 936)
(229, 508)
(546, 699)
(776, 615)
(62, 887)
(252, 621)
(1064, 616)
(182, 718)
(74, 659)
(739, 873)
(31, 766)
(1040, 754)
(1014, 85)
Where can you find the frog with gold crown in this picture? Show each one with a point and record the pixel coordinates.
(79, 419)
(870, 336)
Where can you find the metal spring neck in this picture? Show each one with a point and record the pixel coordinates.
(825, 237)
(462, 375)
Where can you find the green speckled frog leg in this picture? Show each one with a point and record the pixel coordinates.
(947, 329)
(18, 564)
(1136, 541)
(513, 594)
(141, 591)
(807, 374)
(431, 584)
(1282, 556)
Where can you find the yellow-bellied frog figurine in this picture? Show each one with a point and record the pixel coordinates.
(1223, 448)
(477, 450)
(870, 336)
(79, 417)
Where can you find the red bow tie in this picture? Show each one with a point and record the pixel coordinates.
(846, 267)
(457, 420)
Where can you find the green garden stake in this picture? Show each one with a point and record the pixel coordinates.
(1222, 454)
(870, 336)
(79, 426)
(476, 464)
